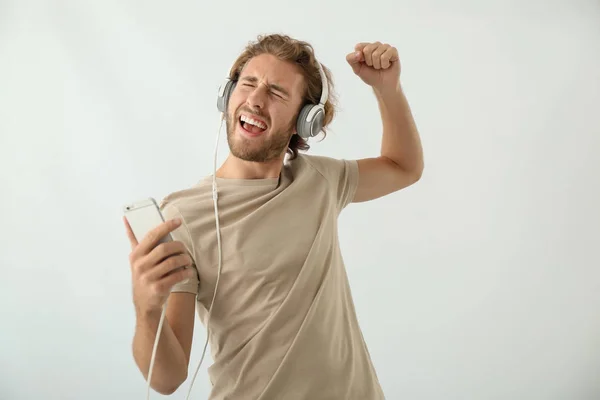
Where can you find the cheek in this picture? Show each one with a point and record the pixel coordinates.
(236, 99)
(283, 117)
(291, 120)
(234, 103)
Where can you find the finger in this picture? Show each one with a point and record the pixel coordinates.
(355, 59)
(360, 49)
(169, 266)
(386, 60)
(368, 52)
(382, 61)
(389, 57)
(376, 57)
(164, 251)
(360, 46)
(132, 240)
(152, 238)
(180, 275)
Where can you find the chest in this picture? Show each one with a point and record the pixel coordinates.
(265, 241)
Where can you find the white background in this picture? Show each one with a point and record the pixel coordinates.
(480, 282)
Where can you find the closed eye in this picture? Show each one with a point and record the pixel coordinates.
(275, 89)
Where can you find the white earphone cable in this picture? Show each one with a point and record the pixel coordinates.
(219, 250)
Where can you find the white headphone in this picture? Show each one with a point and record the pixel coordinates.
(311, 117)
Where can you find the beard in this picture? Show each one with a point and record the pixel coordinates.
(261, 149)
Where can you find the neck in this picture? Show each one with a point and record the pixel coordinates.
(236, 168)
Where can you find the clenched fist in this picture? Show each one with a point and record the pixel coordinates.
(377, 64)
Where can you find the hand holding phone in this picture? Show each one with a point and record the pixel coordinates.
(157, 262)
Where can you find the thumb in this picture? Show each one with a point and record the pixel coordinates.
(355, 59)
(132, 240)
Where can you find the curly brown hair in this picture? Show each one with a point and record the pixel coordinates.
(302, 54)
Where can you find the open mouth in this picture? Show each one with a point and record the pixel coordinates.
(251, 125)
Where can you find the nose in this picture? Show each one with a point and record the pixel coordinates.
(257, 97)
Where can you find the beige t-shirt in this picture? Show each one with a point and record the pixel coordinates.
(283, 324)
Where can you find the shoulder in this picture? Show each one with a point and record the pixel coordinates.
(179, 201)
(340, 175)
(332, 169)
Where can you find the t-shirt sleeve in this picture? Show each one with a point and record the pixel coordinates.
(341, 174)
(347, 178)
(182, 234)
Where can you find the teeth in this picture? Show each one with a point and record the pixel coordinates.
(254, 122)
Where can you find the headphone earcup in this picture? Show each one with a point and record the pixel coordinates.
(225, 91)
(310, 120)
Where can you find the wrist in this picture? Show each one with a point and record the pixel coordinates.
(387, 91)
(148, 313)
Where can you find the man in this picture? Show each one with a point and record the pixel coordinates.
(283, 324)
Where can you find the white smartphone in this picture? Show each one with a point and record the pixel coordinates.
(143, 216)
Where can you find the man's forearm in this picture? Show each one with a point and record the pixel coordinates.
(170, 365)
(401, 142)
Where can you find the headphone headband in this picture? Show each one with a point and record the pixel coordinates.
(324, 84)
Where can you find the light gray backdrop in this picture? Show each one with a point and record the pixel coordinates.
(480, 282)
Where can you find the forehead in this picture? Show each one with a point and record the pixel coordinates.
(270, 70)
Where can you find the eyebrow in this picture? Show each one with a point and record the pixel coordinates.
(272, 86)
